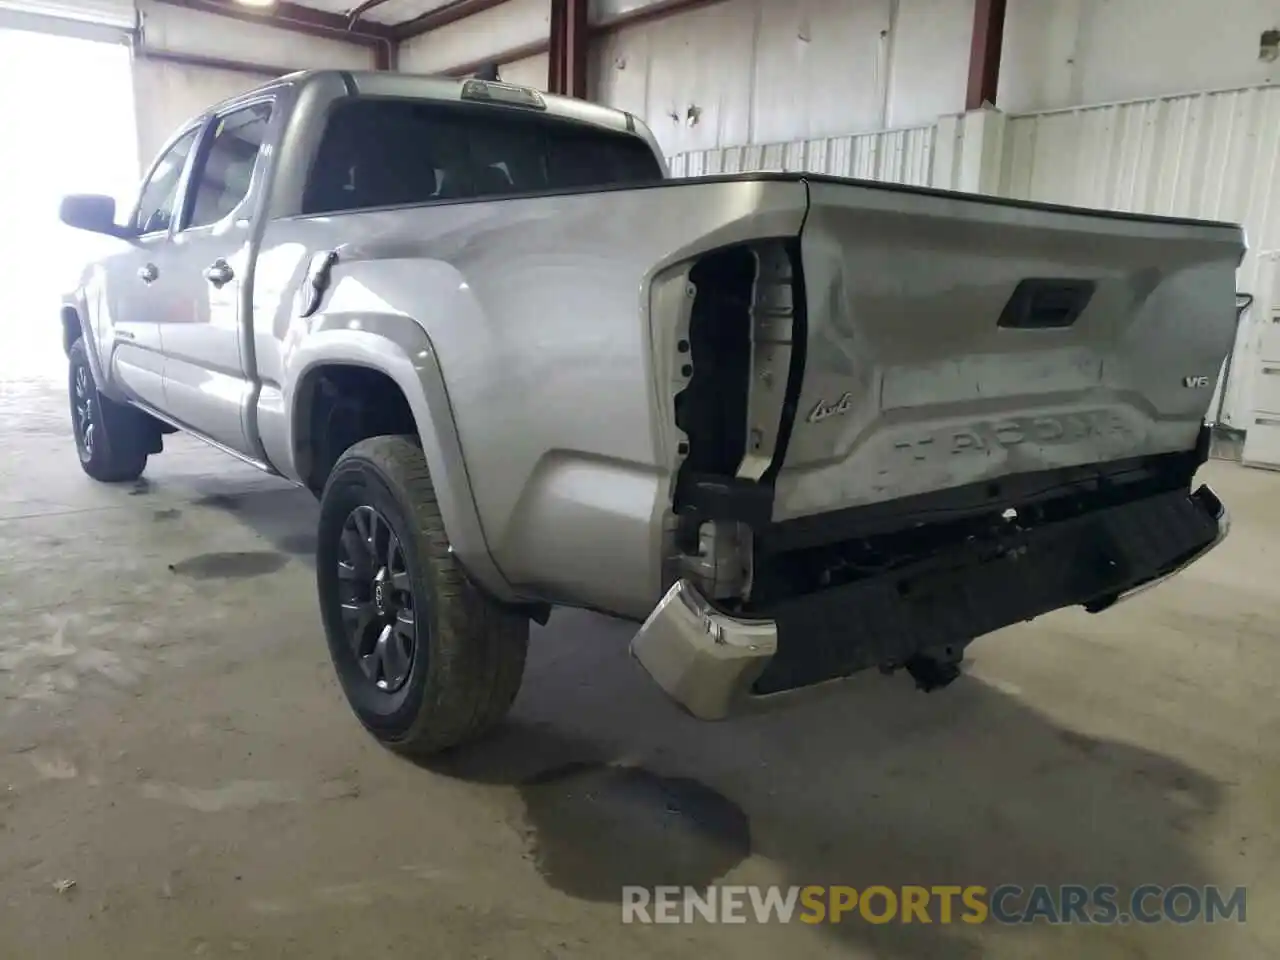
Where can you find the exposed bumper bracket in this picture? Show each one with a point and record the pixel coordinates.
(714, 664)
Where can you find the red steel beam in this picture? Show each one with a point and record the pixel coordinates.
(215, 63)
(557, 58)
(984, 53)
(577, 45)
(569, 46)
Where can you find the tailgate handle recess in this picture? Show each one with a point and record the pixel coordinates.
(1041, 304)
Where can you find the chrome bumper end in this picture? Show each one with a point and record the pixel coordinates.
(705, 660)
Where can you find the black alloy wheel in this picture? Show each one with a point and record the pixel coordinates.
(83, 416)
(379, 614)
(426, 659)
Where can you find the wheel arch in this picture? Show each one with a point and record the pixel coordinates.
(72, 327)
(396, 350)
(76, 326)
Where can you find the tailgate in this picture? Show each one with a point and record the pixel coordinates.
(953, 340)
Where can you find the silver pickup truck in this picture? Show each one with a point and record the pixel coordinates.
(797, 426)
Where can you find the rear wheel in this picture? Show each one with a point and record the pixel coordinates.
(109, 436)
(426, 660)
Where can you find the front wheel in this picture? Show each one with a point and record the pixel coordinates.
(426, 660)
(108, 435)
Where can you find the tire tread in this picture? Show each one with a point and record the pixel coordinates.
(479, 648)
(121, 454)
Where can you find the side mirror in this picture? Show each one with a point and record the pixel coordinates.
(89, 211)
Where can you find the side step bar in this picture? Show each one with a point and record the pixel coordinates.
(715, 665)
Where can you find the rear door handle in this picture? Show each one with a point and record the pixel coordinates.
(219, 273)
(148, 273)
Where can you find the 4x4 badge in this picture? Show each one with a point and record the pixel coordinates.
(823, 410)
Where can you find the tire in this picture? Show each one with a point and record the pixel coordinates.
(111, 438)
(466, 656)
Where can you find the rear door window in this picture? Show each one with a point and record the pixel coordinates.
(384, 152)
(223, 174)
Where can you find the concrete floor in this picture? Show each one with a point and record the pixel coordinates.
(174, 742)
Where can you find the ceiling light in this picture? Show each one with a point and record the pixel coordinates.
(257, 3)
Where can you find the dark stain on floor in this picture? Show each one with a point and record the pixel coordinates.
(1079, 741)
(170, 514)
(227, 566)
(594, 828)
(222, 501)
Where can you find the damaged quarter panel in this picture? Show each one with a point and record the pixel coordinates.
(536, 316)
(546, 349)
(373, 317)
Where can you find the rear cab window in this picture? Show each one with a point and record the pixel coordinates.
(384, 152)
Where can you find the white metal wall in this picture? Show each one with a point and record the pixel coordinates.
(1062, 53)
(166, 95)
(746, 72)
(527, 71)
(498, 30)
(178, 30)
(762, 72)
(1208, 155)
(1262, 441)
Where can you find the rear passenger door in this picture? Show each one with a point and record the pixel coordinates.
(208, 373)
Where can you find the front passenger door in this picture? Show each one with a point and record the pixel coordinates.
(129, 336)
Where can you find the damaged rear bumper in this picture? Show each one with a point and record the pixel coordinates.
(715, 664)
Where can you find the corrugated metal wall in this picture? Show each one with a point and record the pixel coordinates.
(1209, 155)
(895, 156)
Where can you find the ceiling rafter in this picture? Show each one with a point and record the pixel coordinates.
(383, 38)
(298, 19)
